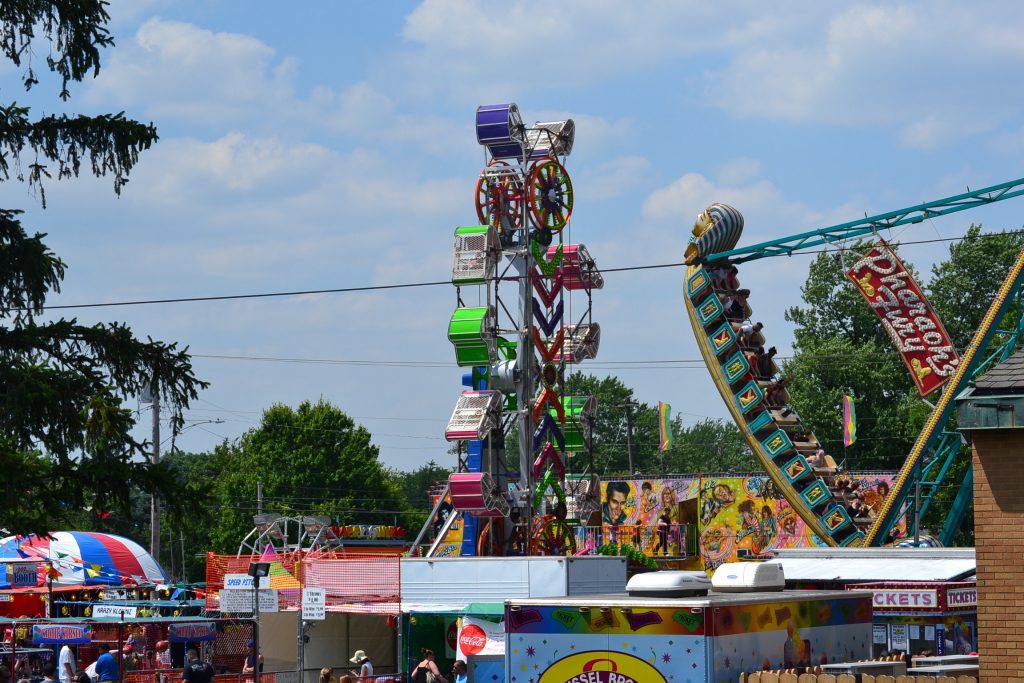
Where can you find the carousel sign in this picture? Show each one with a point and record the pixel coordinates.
(907, 317)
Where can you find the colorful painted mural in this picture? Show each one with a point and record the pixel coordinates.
(452, 543)
(647, 513)
(558, 644)
(733, 517)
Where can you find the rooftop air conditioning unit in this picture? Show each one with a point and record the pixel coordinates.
(669, 584)
(745, 577)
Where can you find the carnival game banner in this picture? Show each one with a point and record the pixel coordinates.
(59, 634)
(907, 317)
(193, 631)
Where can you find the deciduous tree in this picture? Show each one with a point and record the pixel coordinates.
(311, 460)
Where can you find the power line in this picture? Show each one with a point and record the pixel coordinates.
(436, 283)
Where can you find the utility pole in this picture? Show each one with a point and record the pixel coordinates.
(917, 508)
(629, 405)
(154, 504)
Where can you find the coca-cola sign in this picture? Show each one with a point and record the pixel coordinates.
(480, 637)
(472, 640)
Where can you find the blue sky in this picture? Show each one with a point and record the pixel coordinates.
(326, 145)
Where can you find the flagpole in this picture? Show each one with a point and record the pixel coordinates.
(49, 583)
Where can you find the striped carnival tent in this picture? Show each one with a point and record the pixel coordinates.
(84, 557)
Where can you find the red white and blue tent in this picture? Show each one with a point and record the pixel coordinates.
(84, 557)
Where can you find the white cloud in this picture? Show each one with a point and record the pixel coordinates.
(465, 45)
(767, 212)
(178, 71)
(936, 71)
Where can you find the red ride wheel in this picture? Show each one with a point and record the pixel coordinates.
(491, 541)
(518, 543)
(550, 195)
(499, 196)
(554, 537)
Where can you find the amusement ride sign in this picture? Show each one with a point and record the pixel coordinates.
(907, 317)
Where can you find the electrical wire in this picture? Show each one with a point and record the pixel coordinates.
(436, 283)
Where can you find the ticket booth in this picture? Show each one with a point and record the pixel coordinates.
(938, 616)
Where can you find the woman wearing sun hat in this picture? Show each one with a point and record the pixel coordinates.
(363, 662)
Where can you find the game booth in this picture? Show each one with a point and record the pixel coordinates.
(358, 608)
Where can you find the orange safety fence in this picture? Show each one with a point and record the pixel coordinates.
(282, 576)
(355, 579)
(357, 583)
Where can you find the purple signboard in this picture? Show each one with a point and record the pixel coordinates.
(192, 632)
(58, 634)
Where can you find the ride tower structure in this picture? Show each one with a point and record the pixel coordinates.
(515, 329)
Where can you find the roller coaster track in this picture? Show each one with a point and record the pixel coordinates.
(768, 430)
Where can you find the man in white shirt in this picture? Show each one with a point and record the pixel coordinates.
(66, 666)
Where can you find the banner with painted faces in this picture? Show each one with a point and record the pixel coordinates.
(733, 517)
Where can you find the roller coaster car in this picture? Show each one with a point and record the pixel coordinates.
(552, 138)
(581, 342)
(499, 128)
(578, 269)
(476, 414)
(472, 333)
(475, 493)
(580, 413)
(475, 254)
